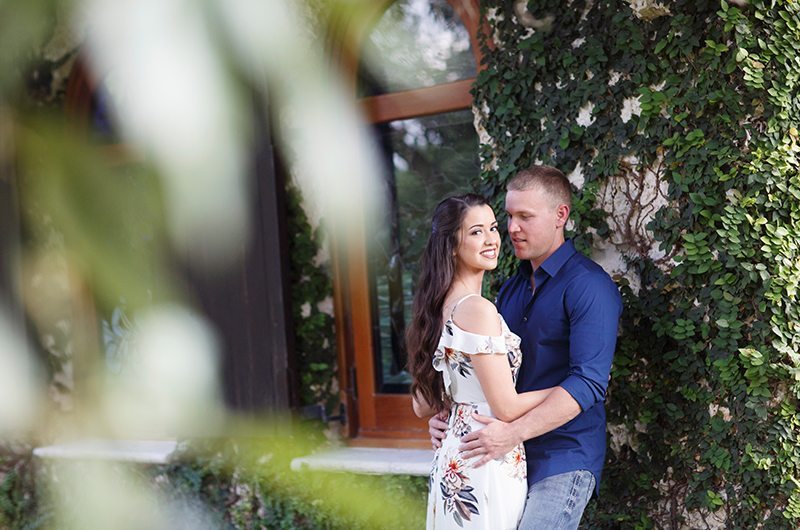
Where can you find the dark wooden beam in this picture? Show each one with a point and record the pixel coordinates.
(249, 303)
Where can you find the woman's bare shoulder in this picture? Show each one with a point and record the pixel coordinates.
(478, 315)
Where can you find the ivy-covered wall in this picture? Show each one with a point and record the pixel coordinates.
(677, 124)
(312, 306)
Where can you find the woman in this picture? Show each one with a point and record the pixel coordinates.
(463, 357)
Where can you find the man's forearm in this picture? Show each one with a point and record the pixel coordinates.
(559, 408)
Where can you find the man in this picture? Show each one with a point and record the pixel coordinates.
(566, 310)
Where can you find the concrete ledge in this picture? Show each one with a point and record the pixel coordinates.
(370, 460)
(138, 451)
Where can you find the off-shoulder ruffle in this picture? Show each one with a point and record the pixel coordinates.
(457, 343)
(440, 365)
(452, 356)
(471, 343)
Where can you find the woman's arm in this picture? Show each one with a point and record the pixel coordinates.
(478, 315)
(421, 407)
(497, 384)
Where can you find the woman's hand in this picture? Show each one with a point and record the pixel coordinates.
(437, 427)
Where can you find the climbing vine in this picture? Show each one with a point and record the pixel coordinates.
(311, 290)
(678, 126)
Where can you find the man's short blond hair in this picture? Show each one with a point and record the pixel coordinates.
(546, 178)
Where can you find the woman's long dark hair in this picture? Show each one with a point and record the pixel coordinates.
(436, 273)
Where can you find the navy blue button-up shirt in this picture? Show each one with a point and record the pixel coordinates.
(568, 327)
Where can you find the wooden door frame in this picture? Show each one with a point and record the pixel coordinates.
(374, 418)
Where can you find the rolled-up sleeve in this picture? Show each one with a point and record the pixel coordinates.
(594, 306)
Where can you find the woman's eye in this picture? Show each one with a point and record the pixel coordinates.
(494, 229)
(476, 232)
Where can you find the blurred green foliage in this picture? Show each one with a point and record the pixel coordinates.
(245, 494)
(234, 483)
(94, 226)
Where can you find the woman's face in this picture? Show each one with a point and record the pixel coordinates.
(479, 245)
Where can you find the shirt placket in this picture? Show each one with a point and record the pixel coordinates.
(540, 278)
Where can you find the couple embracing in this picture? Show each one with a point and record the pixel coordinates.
(515, 391)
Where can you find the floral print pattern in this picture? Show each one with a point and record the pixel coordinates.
(460, 495)
(459, 501)
(459, 418)
(515, 463)
(454, 359)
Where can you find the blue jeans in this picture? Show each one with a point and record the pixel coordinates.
(557, 502)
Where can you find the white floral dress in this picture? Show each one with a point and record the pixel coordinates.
(460, 496)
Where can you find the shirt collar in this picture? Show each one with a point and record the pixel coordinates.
(553, 263)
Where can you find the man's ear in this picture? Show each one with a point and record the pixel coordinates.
(562, 214)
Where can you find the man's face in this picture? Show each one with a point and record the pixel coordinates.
(535, 224)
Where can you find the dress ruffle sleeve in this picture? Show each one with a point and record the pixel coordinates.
(472, 343)
(456, 345)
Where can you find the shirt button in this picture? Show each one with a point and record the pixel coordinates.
(524, 319)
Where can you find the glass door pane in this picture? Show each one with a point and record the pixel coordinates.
(425, 159)
(416, 44)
